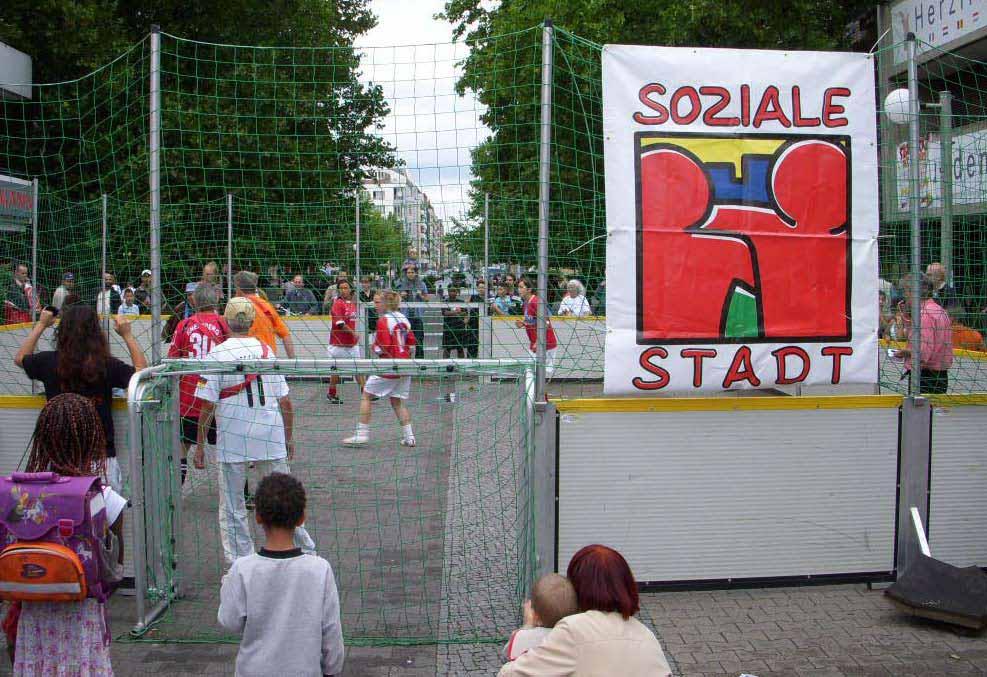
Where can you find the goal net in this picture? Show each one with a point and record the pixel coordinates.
(429, 544)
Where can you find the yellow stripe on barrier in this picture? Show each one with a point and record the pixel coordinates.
(553, 318)
(958, 400)
(957, 352)
(38, 402)
(628, 405)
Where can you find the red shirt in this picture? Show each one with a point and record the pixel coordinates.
(531, 325)
(394, 338)
(343, 315)
(195, 336)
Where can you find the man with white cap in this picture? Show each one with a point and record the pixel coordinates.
(142, 292)
(254, 423)
(67, 287)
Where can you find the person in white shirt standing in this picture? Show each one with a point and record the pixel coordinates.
(254, 424)
(575, 303)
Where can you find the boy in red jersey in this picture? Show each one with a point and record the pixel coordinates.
(194, 337)
(343, 340)
(530, 324)
(392, 340)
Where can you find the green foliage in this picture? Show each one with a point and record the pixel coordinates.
(504, 70)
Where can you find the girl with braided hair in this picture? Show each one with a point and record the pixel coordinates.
(68, 639)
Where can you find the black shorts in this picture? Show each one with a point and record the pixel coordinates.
(190, 430)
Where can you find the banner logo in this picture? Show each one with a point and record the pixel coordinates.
(743, 238)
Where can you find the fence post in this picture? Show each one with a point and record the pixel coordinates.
(356, 279)
(544, 188)
(35, 302)
(229, 245)
(155, 193)
(946, 162)
(913, 477)
(102, 266)
(486, 273)
(915, 336)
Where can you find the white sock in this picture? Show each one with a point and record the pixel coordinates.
(409, 434)
(363, 430)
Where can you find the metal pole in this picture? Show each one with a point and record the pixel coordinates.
(229, 245)
(35, 301)
(486, 243)
(356, 280)
(914, 383)
(946, 160)
(155, 189)
(102, 268)
(544, 187)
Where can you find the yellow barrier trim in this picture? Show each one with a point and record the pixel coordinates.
(38, 402)
(553, 318)
(957, 352)
(958, 400)
(628, 405)
(16, 326)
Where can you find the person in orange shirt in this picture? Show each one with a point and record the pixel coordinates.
(268, 325)
(964, 337)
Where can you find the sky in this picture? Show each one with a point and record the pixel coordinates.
(411, 55)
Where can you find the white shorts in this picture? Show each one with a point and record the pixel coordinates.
(345, 352)
(549, 361)
(388, 387)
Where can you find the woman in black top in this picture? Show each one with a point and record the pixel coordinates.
(82, 364)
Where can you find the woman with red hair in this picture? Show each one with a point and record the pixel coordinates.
(604, 638)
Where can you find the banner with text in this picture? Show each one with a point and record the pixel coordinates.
(742, 217)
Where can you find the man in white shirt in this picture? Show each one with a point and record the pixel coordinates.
(254, 424)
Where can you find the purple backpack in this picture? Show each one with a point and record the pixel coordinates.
(54, 536)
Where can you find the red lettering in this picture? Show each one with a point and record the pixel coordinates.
(745, 105)
(770, 109)
(837, 353)
(797, 110)
(644, 96)
(830, 109)
(781, 355)
(709, 117)
(697, 355)
(741, 369)
(695, 107)
(651, 368)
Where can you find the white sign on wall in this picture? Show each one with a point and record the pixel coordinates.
(742, 217)
(936, 23)
(969, 169)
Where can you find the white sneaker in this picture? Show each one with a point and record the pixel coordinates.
(356, 441)
(408, 442)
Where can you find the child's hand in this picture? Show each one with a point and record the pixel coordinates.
(199, 460)
(519, 324)
(529, 615)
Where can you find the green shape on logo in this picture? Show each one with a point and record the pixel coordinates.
(741, 315)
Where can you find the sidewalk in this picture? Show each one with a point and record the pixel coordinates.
(826, 631)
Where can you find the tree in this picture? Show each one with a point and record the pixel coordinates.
(503, 69)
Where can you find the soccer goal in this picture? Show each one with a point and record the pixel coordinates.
(429, 544)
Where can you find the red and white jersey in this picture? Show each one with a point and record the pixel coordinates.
(343, 316)
(195, 336)
(531, 325)
(394, 338)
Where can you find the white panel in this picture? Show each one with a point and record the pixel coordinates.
(731, 494)
(958, 507)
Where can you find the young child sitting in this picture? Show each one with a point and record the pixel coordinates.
(283, 602)
(552, 599)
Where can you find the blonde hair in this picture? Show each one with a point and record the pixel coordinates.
(553, 598)
(391, 299)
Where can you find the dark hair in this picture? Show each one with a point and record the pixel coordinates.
(528, 283)
(82, 349)
(68, 438)
(280, 501)
(603, 581)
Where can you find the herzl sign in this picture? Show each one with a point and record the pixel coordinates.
(16, 203)
(742, 215)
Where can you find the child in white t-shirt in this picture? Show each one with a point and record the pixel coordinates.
(129, 305)
(552, 599)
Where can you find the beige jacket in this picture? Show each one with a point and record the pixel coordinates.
(593, 644)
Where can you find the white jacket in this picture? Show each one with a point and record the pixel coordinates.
(593, 644)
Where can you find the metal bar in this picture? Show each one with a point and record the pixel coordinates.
(102, 268)
(155, 192)
(915, 340)
(946, 161)
(544, 188)
(914, 457)
(486, 244)
(356, 280)
(35, 300)
(229, 245)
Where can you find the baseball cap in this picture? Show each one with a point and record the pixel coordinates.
(68, 276)
(237, 306)
(145, 272)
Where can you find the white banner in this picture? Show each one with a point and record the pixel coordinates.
(742, 217)
(968, 163)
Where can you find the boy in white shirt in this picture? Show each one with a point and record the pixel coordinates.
(254, 424)
(129, 305)
(283, 602)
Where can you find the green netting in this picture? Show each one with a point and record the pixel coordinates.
(952, 216)
(428, 544)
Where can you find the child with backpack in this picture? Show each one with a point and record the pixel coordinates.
(59, 520)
